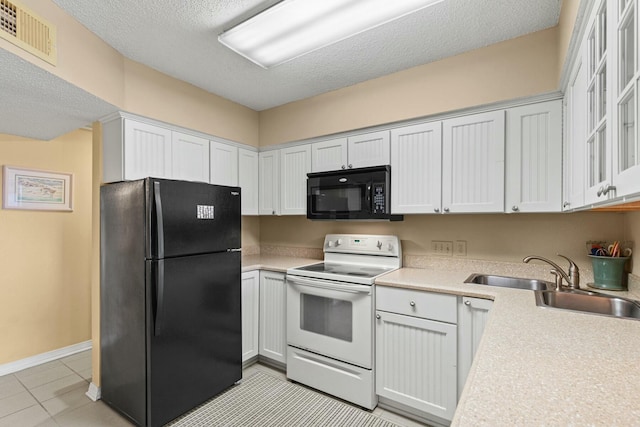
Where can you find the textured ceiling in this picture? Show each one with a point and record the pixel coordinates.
(37, 104)
(180, 39)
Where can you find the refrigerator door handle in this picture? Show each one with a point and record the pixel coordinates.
(157, 325)
(159, 220)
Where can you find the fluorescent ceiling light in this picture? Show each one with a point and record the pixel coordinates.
(293, 28)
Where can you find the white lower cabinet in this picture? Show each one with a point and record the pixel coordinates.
(416, 351)
(273, 316)
(473, 314)
(250, 311)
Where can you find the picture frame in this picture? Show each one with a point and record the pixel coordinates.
(32, 189)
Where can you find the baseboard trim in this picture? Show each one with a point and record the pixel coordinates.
(94, 393)
(39, 359)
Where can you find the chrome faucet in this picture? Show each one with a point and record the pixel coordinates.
(572, 278)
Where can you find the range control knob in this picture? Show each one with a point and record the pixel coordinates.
(330, 243)
(390, 247)
(379, 244)
(338, 242)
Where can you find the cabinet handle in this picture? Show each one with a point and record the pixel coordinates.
(412, 303)
(515, 208)
(446, 209)
(565, 204)
(600, 191)
(436, 210)
(273, 212)
(344, 167)
(609, 188)
(350, 166)
(467, 303)
(377, 316)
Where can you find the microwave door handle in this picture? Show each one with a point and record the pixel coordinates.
(369, 191)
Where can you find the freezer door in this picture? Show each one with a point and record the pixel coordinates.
(187, 218)
(194, 334)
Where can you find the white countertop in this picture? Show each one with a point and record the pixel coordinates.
(534, 366)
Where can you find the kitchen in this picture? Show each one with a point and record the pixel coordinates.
(522, 67)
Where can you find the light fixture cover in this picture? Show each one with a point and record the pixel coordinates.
(293, 28)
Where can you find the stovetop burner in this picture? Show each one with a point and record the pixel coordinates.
(345, 269)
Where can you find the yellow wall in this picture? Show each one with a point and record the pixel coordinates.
(566, 23)
(495, 237)
(45, 268)
(515, 68)
(632, 232)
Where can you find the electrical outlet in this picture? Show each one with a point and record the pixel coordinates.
(460, 248)
(440, 247)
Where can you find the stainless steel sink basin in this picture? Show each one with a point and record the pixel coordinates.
(589, 303)
(509, 282)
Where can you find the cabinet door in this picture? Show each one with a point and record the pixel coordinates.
(416, 363)
(626, 148)
(473, 314)
(473, 163)
(224, 164)
(329, 155)
(599, 124)
(147, 151)
(250, 312)
(576, 98)
(295, 164)
(269, 182)
(534, 158)
(416, 169)
(370, 149)
(248, 180)
(273, 316)
(190, 157)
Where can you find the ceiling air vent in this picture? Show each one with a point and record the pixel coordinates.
(27, 30)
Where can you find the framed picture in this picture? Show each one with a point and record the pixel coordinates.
(36, 189)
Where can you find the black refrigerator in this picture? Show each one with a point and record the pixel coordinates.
(170, 319)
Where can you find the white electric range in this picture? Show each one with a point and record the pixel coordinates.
(331, 315)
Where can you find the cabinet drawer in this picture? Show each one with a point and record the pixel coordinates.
(426, 305)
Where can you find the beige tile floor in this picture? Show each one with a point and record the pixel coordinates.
(53, 395)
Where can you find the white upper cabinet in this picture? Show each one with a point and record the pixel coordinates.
(223, 164)
(534, 158)
(598, 142)
(329, 155)
(575, 137)
(248, 178)
(473, 163)
(190, 157)
(269, 182)
(295, 164)
(626, 150)
(147, 151)
(416, 169)
(369, 149)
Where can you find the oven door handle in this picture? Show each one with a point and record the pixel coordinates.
(331, 285)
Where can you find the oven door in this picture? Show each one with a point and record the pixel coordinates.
(334, 319)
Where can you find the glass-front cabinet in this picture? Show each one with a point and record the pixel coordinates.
(598, 117)
(626, 165)
(608, 142)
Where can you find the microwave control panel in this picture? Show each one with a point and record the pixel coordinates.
(379, 198)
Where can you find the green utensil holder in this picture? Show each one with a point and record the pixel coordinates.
(609, 273)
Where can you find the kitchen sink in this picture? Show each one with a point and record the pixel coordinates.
(589, 302)
(509, 282)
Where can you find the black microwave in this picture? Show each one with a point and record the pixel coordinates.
(360, 194)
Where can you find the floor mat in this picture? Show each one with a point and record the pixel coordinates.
(262, 400)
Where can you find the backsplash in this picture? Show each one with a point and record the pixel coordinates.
(314, 253)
